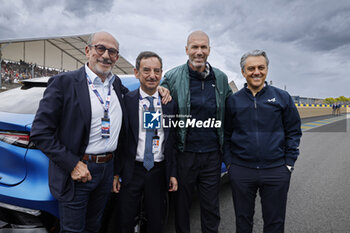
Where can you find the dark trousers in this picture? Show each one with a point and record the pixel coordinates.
(84, 212)
(152, 185)
(201, 170)
(273, 185)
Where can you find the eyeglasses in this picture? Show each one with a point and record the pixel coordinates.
(101, 49)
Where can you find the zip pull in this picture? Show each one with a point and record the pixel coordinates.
(254, 103)
(202, 85)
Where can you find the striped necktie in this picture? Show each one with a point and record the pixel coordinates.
(148, 161)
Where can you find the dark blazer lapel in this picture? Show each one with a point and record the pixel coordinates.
(82, 90)
(133, 113)
(117, 89)
(166, 111)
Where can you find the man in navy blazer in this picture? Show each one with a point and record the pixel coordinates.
(68, 129)
(148, 164)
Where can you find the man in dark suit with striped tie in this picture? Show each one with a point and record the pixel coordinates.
(149, 164)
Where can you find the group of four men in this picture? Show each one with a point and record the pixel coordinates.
(92, 129)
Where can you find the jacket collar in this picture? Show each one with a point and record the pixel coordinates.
(206, 75)
(262, 91)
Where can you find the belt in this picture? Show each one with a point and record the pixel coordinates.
(101, 158)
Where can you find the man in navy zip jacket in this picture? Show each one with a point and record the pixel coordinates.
(262, 135)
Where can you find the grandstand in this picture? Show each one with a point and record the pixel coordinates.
(36, 57)
(307, 100)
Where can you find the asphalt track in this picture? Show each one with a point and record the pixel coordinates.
(319, 194)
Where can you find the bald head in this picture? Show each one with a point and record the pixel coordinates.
(198, 50)
(98, 35)
(197, 34)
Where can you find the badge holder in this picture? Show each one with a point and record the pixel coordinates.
(105, 126)
(155, 143)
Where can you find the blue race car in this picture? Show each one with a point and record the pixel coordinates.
(25, 198)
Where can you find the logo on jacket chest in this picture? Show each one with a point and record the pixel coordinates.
(271, 100)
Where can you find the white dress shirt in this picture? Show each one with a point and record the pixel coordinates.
(97, 144)
(158, 156)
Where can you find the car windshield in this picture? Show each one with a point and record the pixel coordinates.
(21, 101)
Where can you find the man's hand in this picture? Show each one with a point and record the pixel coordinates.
(116, 184)
(165, 93)
(173, 184)
(81, 172)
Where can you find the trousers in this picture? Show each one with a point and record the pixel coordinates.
(201, 171)
(152, 186)
(84, 212)
(273, 186)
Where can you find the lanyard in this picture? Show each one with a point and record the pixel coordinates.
(108, 98)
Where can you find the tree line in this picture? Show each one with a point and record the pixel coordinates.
(340, 99)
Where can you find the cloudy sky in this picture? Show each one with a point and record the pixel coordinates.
(307, 41)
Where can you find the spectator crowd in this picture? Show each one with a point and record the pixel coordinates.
(12, 72)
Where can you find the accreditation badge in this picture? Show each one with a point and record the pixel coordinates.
(105, 127)
(155, 144)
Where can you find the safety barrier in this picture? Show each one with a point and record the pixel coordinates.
(320, 105)
(312, 110)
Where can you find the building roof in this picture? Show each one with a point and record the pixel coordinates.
(61, 52)
(233, 86)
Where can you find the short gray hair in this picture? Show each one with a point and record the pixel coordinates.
(254, 53)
